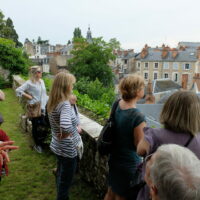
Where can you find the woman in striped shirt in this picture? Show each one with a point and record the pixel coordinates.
(65, 136)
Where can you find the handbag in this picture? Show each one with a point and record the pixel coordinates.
(79, 147)
(105, 139)
(33, 110)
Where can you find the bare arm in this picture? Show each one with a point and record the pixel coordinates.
(28, 96)
(143, 147)
(138, 133)
(2, 95)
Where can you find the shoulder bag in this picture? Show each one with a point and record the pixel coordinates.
(60, 136)
(34, 110)
(105, 140)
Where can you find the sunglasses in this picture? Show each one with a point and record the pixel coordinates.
(38, 72)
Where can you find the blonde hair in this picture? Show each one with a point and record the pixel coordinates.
(130, 85)
(32, 72)
(61, 89)
(181, 112)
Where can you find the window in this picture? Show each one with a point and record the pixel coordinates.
(175, 78)
(187, 66)
(175, 66)
(138, 65)
(166, 75)
(156, 65)
(125, 61)
(155, 75)
(146, 75)
(165, 65)
(146, 65)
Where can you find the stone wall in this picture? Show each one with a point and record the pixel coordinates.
(4, 73)
(93, 167)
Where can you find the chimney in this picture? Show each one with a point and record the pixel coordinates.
(150, 99)
(164, 52)
(182, 48)
(144, 53)
(146, 46)
(198, 53)
(174, 53)
(196, 81)
(184, 81)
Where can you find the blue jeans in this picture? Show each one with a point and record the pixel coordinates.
(66, 168)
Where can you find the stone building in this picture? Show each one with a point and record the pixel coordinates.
(29, 47)
(124, 62)
(177, 64)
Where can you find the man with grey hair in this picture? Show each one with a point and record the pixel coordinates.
(173, 173)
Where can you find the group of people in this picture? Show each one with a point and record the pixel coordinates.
(169, 156)
(66, 142)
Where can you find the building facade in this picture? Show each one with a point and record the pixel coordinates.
(177, 64)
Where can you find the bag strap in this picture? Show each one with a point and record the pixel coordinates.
(189, 141)
(114, 107)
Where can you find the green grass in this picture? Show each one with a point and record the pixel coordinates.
(31, 175)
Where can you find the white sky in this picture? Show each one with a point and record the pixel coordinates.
(133, 22)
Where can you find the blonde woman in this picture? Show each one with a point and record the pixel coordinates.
(180, 117)
(129, 124)
(34, 91)
(65, 136)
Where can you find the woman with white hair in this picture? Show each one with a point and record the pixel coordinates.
(180, 117)
(173, 173)
(34, 91)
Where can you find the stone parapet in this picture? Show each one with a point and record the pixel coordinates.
(93, 167)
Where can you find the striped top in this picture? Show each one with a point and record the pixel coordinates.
(62, 119)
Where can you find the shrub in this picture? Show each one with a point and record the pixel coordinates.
(95, 90)
(4, 83)
(96, 106)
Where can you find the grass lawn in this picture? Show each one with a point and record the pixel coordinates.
(31, 175)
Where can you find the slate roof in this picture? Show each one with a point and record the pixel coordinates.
(164, 98)
(189, 44)
(67, 48)
(188, 55)
(164, 85)
(152, 113)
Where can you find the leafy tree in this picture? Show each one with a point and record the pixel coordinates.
(77, 33)
(8, 31)
(12, 58)
(69, 42)
(114, 44)
(91, 60)
(40, 41)
(2, 22)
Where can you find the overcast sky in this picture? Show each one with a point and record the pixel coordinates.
(133, 22)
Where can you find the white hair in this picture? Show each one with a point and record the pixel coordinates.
(176, 173)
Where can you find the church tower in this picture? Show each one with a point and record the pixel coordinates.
(89, 36)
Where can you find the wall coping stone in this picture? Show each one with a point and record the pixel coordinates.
(88, 125)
